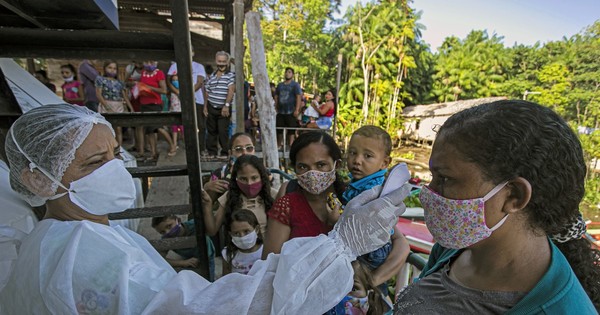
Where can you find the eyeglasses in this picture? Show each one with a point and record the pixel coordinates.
(240, 149)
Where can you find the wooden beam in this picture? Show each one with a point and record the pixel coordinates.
(266, 108)
(80, 44)
(158, 171)
(18, 11)
(183, 57)
(144, 119)
(238, 36)
(147, 212)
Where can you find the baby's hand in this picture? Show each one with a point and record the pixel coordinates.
(334, 208)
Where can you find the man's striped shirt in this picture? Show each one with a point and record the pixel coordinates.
(217, 87)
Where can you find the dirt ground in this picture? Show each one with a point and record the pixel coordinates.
(419, 154)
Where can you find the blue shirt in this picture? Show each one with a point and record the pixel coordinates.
(286, 97)
(356, 187)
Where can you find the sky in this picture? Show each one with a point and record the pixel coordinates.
(518, 21)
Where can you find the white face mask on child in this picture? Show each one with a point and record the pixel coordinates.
(245, 242)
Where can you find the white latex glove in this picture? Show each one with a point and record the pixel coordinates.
(367, 219)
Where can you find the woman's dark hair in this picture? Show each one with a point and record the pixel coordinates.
(242, 215)
(362, 274)
(237, 135)
(324, 138)
(333, 100)
(234, 202)
(108, 62)
(513, 138)
(43, 73)
(72, 68)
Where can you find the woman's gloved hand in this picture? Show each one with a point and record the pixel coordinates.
(367, 220)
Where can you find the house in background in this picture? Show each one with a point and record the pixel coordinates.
(420, 121)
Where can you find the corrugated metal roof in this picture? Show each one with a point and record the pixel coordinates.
(445, 109)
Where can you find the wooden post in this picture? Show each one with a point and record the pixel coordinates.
(337, 95)
(265, 103)
(30, 65)
(183, 57)
(238, 35)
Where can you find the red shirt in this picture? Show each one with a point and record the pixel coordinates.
(294, 211)
(152, 79)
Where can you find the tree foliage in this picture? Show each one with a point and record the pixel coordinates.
(386, 66)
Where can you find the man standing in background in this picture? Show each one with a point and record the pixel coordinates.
(288, 103)
(87, 76)
(220, 88)
(198, 77)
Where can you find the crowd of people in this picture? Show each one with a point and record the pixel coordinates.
(143, 87)
(507, 179)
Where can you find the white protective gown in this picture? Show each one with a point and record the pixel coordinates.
(87, 268)
(16, 220)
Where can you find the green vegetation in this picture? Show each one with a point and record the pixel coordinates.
(387, 66)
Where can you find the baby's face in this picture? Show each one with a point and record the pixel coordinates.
(366, 156)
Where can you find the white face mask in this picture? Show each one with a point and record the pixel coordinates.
(69, 79)
(246, 241)
(108, 189)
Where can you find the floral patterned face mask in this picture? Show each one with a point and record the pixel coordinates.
(457, 223)
(316, 182)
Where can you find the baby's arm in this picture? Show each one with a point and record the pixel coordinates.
(392, 264)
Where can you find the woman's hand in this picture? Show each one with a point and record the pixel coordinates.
(334, 209)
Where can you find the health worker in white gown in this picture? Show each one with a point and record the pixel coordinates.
(73, 262)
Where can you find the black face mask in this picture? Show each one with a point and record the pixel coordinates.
(221, 67)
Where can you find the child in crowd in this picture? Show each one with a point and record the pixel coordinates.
(112, 94)
(72, 89)
(245, 244)
(175, 106)
(368, 159)
(171, 226)
(249, 188)
(365, 298)
(309, 119)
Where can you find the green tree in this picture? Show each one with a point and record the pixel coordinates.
(470, 68)
(379, 43)
(295, 35)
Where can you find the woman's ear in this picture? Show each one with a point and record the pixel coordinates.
(37, 183)
(520, 195)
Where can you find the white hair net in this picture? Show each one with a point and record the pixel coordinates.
(46, 138)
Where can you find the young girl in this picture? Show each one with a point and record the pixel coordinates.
(111, 94)
(245, 244)
(72, 89)
(175, 106)
(365, 298)
(249, 188)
